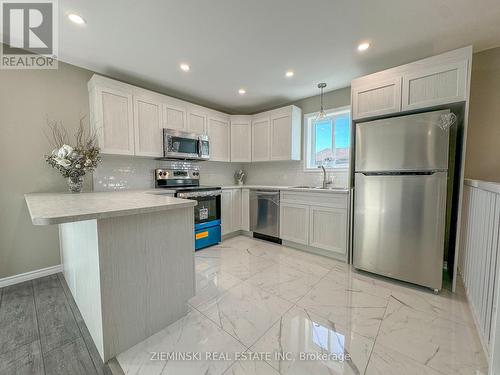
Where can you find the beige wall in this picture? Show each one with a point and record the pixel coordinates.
(483, 142)
(27, 99)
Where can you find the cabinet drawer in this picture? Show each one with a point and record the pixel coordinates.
(332, 200)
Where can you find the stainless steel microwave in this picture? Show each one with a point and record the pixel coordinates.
(183, 145)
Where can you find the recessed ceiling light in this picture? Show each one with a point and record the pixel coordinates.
(289, 74)
(76, 19)
(363, 46)
(185, 67)
(242, 91)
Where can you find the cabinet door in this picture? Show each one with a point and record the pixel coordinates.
(148, 126)
(114, 121)
(435, 85)
(197, 122)
(219, 133)
(245, 209)
(281, 136)
(227, 211)
(376, 98)
(174, 116)
(294, 222)
(241, 139)
(236, 208)
(260, 139)
(327, 229)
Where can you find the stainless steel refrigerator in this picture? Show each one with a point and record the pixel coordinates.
(401, 172)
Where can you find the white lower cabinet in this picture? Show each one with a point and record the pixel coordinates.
(236, 209)
(245, 209)
(294, 222)
(231, 210)
(227, 211)
(327, 229)
(316, 220)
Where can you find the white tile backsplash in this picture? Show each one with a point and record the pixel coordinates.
(128, 172)
(289, 173)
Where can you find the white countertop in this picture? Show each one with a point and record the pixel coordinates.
(57, 208)
(288, 188)
(494, 187)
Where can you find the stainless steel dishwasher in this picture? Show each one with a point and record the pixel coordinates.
(265, 214)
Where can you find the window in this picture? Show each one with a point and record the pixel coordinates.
(328, 140)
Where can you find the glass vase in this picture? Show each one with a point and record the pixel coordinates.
(75, 184)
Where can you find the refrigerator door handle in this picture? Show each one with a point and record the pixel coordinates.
(403, 173)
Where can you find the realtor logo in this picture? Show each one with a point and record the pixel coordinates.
(29, 34)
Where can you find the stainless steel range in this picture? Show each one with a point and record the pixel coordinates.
(184, 179)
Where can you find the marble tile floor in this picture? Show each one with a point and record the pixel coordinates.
(262, 308)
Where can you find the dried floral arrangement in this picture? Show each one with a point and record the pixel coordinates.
(72, 162)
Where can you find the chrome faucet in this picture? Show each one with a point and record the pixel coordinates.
(326, 182)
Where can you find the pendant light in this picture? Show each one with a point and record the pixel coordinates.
(321, 115)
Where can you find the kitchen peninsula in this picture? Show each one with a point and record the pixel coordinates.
(128, 260)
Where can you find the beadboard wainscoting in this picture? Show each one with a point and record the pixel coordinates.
(478, 261)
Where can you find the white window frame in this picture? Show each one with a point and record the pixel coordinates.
(308, 137)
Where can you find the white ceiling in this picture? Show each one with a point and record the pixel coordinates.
(251, 43)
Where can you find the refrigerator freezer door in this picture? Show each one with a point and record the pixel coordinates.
(406, 143)
(399, 223)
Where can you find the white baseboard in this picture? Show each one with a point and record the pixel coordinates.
(16, 279)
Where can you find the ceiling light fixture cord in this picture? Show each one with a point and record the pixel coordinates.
(321, 114)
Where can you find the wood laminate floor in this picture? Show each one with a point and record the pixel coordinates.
(43, 332)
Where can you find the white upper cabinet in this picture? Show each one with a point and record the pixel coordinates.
(196, 120)
(112, 116)
(377, 97)
(174, 114)
(261, 144)
(276, 135)
(285, 130)
(130, 121)
(436, 85)
(241, 138)
(219, 133)
(148, 125)
(434, 81)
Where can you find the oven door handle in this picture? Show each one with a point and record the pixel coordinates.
(196, 194)
(200, 147)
